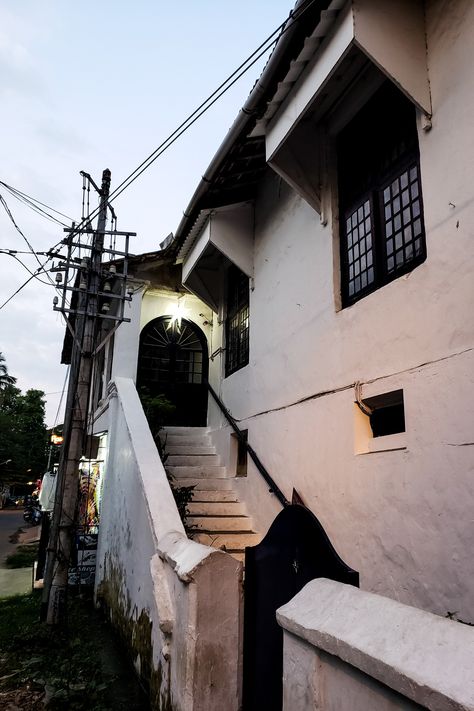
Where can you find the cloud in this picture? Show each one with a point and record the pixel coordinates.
(62, 137)
(18, 71)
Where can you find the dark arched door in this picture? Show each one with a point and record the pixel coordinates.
(173, 361)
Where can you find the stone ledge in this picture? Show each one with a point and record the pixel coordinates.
(427, 658)
(186, 556)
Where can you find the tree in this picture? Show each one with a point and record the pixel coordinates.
(5, 378)
(23, 438)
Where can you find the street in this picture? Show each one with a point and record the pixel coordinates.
(10, 521)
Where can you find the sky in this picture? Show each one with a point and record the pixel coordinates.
(88, 86)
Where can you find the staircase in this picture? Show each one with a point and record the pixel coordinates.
(216, 517)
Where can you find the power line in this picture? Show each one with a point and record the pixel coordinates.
(39, 211)
(62, 396)
(38, 271)
(204, 106)
(201, 109)
(6, 250)
(48, 283)
(29, 199)
(10, 215)
(17, 291)
(187, 123)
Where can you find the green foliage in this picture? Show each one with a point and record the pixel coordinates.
(23, 557)
(76, 668)
(23, 437)
(183, 495)
(157, 409)
(5, 377)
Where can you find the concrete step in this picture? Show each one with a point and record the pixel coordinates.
(185, 431)
(219, 524)
(216, 508)
(193, 460)
(203, 496)
(231, 541)
(185, 440)
(189, 449)
(199, 483)
(201, 472)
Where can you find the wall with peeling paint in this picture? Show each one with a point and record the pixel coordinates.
(402, 517)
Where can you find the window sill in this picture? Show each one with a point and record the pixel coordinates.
(389, 443)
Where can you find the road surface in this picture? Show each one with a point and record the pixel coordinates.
(10, 521)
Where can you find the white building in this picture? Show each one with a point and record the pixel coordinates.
(326, 266)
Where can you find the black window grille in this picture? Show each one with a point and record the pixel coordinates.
(237, 321)
(382, 229)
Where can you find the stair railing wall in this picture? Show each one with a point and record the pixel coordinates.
(273, 487)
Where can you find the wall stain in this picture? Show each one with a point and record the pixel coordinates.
(136, 633)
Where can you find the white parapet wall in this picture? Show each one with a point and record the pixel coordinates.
(350, 650)
(176, 603)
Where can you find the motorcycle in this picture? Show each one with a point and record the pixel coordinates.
(32, 514)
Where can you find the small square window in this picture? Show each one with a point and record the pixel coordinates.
(380, 423)
(388, 413)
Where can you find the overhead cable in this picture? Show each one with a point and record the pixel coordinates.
(187, 123)
(34, 203)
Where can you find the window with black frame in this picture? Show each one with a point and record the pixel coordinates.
(237, 320)
(381, 210)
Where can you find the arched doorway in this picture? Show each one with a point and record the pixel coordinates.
(173, 361)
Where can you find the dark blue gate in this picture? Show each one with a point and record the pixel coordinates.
(295, 550)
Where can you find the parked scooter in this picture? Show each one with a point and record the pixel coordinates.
(32, 514)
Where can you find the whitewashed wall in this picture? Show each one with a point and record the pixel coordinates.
(347, 650)
(402, 518)
(159, 587)
(146, 305)
(161, 303)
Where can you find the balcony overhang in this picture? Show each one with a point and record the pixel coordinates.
(227, 237)
(370, 41)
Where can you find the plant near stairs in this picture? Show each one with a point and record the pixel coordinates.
(157, 409)
(216, 516)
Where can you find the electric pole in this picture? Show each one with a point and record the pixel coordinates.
(89, 305)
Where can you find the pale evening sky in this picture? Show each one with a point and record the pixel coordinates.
(88, 86)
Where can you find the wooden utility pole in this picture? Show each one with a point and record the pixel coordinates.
(64, 514)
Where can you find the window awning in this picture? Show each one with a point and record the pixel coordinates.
(227, 237)
(369, 38)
